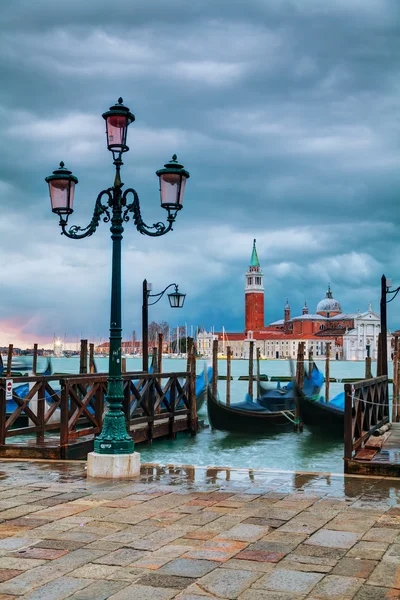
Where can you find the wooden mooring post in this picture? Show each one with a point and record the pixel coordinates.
(9, 359)
(159, 353)
(298, 426)
(214, 368)
(193, 416)
(228, 375)
(368, 367)
(251, 368)
(189, 346)
(258, 352)
(327, 369)
(92, 368)
(379, 357)
(83, 357)
(34, 361)
(310, 361)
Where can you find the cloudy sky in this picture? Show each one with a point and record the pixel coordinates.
(285, 112)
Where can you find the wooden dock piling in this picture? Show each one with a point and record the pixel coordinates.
(214, 368)
(9, 359)
(228, 375)
(83, 357)
(34, 361)
(193, 415)
(258, 352)
(251, 368)
(368, 367)
(300, 383)
(92, 368)
(310, 361)
(327, 370)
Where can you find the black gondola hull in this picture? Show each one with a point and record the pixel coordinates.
(228, 418)
(325, 418)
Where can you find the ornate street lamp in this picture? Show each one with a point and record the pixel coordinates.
(176, 300)
(112, 206)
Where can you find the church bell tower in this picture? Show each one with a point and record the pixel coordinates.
(254, 294)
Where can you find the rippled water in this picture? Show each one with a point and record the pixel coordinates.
(304, 451)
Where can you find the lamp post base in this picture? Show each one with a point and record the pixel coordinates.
(113, 466)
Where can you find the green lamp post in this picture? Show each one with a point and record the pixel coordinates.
(112, 206)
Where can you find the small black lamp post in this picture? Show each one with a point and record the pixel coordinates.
(386, 284)
(114, 438)
(176, 300)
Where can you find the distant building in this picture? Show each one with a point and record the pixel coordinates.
(352, 336)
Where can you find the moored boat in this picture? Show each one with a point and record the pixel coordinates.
(324, 416)
(283, 398)
(247, 416)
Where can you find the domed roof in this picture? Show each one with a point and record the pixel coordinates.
(328, 304)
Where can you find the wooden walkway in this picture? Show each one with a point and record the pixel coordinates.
(370, 447)
(381, 462)
(58, 417)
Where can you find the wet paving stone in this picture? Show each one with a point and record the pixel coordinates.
(226, 583)
(336, 587)
(6, 574)
(260, 556)
(371, 550)
(353, 567)
(333, 539)
(369, 592)
(143, 592)
(187, 567)
(40, 553)
(165, 581)
(284, 580)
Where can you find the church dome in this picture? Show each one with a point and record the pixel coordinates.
(328, 304)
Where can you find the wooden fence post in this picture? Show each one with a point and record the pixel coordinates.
(327, 370)
(91, 359)
(215, 368)
(310, 361)
(258, 373)
(34, 361)
(9, 359)
(83, 357)
(348, 438)
(228, 375)
(251, 367)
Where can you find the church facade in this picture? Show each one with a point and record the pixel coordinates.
(352, 336)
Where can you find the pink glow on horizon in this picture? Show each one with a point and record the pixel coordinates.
(13, 332)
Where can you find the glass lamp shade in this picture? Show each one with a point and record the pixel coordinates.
(62, 189)
(117, 119)
(176, 299)
(172, 184)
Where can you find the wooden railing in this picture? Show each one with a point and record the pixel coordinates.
(72, 407)
(366, 409)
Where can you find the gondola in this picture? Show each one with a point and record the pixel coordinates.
(324, 416)
(247, 416)
(283, 398)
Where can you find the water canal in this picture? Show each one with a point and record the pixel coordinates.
(282, 451)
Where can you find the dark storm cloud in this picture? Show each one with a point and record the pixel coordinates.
(285, 112)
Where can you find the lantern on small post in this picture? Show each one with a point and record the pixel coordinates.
(118, 119)
(172, 184)
(62, 189)
(176, 299)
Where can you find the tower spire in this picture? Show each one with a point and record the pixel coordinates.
(254, 262)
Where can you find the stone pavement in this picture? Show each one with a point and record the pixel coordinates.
(196, 534)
